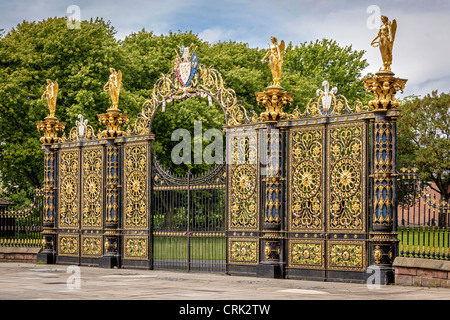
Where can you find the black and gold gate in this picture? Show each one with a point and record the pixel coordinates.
(109, 203)
(308, 177)
(80, 223)
(303, 201)
(302, 195)
(327, 198)
(188, 212)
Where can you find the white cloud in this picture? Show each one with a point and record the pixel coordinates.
(213, 35)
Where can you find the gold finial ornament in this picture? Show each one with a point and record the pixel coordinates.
(274, 98)
(275, 55)
(114, 85)
(113, 119)
(384, 85)
(51, 126)
(385, 41)
(51, 94)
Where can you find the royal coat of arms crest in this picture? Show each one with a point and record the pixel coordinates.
(186, 66)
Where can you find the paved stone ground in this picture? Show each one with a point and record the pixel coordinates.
(33, 281)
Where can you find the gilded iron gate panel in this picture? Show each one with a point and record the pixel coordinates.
(243, 198)
(92, 187)
(135, 208)
(327, 188)
(68, 244)
(68, 207)
(80, 209)
(346, 196)
(306, 203)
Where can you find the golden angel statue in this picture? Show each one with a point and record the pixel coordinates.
(275, 54)
(386, 37)
(114, 85)
(51, 94)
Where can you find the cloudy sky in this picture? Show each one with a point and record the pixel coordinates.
(421, 48)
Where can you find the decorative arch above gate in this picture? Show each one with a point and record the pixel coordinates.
(190, 79)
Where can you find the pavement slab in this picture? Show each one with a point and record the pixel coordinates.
(61, 282)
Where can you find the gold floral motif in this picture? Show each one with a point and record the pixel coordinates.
(345, 177)
(136, 248)
(68, 245)
(306, 254)
(92, 246)
(346, 255)
(244, 177)
(92, 187)
(244, 251)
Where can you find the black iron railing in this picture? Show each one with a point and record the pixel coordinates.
(22, 228)
(423, 219)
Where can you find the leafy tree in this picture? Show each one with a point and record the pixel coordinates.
(424, 138)
(78, 60)
(326, 60)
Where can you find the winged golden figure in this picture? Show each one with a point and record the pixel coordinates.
(114, 85)
(385, 41)
(51, 94)
(275, 55)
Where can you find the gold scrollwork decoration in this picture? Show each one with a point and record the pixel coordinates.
(306, 181)
(243, 251)
(91, 246)
(205, 83)
(345, 255)
(136, 170)
(136, 247)
(92, 187)
(68, 245)
(328, 103)
(243, 180)
(69, 194)
(347, 167)
(306, 254)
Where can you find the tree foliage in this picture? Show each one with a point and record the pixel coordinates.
(424, 138)
(326, 60)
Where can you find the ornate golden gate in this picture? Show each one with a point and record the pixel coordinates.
(327, 194)
(99, 186)
(308, 194)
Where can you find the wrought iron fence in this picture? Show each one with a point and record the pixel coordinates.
(423, 219)
(22, 228)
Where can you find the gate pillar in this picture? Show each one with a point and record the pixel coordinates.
(383, 240)
(113, 119)
(272, 262)
(50, 127)
(111, 257)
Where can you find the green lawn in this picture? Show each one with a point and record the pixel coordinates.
(202, 248)
(426, 239)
